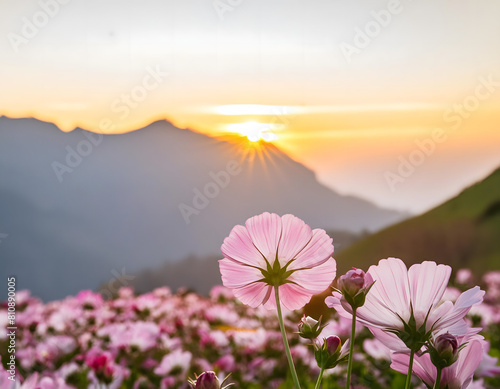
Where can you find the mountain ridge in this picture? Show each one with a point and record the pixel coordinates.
(73, 219)
(462, 232)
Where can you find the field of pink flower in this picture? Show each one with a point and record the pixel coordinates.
(159, 339)
(396, 327)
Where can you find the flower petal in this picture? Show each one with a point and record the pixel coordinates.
(428, 283)
(318, 251)
(469, 361)
(239, 247)
(294, 237)
(236, 275)
(316, 279)
(391, 290)
(461, 307)
(294, 296)
(422, 366)
(388, 339)
(253, 294)
(265, 232)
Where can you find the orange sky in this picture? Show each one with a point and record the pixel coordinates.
(350, 108)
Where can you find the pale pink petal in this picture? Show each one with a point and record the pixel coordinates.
(438, 313)
(294, 296)
(469, 361)
(335, 301)
(459, 328)
(461, 307)
(338, 303)
(236, 275)
(316, 279)
(238, 246)
(388, 339)
(422, 367)
(428, 283)
(253, 294)
(318, 251)
(344, 350)
(369, 314)
(294, 237)
(391, 286)
(265, 231)
(387, 303)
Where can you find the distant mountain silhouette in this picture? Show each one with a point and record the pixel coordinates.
(78, 207)
(462, 232)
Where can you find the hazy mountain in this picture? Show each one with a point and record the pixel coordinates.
(79, 207)
(463, 232)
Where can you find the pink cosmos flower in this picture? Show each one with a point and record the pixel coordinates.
(489, 365)
(176, 359)
(376, 349)
(402, 297)
(277, 251)
(463, 276)
(457, 376)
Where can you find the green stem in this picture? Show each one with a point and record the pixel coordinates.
(410, 370)
(285, 341)
(351, 349)
(438, 379)
(320, 377)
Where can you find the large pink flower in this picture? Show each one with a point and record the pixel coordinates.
(277, 251)
(457, 376)
(401, 298)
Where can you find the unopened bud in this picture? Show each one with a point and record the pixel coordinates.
(444, 350)
(207, 380)
(333, 344)
(330, 353)
(354, 286)
(310, 328)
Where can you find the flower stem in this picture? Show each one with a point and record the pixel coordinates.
(351, 349)
(410, 370)
(438, 379)
(285, 341)
(320, 377)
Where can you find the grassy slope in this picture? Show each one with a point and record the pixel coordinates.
(463, 232)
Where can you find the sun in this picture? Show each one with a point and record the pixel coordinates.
(254, 131)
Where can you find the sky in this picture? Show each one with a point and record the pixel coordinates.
(394, 101)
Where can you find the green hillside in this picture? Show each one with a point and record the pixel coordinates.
(463, 232)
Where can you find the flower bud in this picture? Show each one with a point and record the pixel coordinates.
(354, 286)
(310, 328)
(444, 350)
(330, 354)
(207, 380)
(446, 344)
(333, 344)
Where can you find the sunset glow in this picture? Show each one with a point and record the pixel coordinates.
(254, 131)
(273, 82)
(255, 109)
